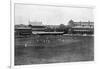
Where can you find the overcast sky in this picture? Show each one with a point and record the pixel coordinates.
(51, 15)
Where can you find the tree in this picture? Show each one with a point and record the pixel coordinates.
(62, 27)
(68, 29)
(71, 23)
(30, 25)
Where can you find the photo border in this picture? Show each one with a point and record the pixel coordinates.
(12, 22)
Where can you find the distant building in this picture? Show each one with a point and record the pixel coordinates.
(81, 27)
(37, 26)
(81, 24)
(22, 30)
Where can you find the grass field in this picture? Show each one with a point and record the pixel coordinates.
(53, 49)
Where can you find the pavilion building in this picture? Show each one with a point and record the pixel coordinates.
(81, 27)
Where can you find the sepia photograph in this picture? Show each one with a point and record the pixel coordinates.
(46, 34)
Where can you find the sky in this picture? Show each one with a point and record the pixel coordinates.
(50, 15)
